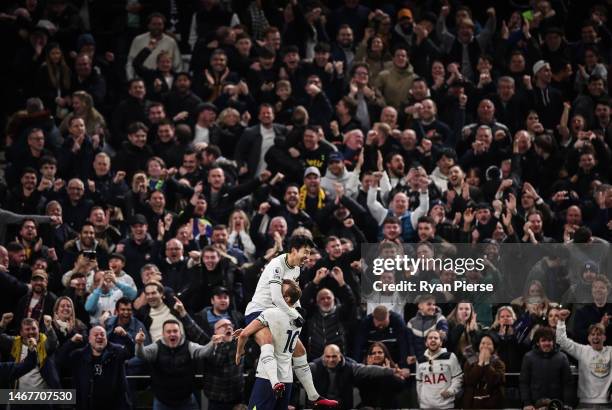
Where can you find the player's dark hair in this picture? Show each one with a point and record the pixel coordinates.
(300, 241)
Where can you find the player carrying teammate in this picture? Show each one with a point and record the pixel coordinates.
(285, 335)
(268, 294)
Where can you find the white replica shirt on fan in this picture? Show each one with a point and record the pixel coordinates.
(268, 293)
(284, 339)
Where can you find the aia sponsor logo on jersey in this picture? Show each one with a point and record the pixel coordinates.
(434, 378)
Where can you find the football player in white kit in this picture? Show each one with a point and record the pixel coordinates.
(285, 334)
(269, 294)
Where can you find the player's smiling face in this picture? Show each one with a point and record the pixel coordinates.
(300, 256)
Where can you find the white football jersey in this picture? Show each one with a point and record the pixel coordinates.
(284, 339)
(274, 272)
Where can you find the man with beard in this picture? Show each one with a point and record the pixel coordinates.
(173, 365)
(85, 244)
(138, 248)
(294, 216)
(167, 146)
(210, 82)
(343, 48)
(256, 141)
(439, 376)
(211, 272)
(25, 198)
(106, 233)
(38, 302)
(98, 369)
(329, 319)
(135, 152)
(132, 109)
(181, 101)
(335, 258)
(156, 25)
(76, 205)
(32, 243)
(395, 169)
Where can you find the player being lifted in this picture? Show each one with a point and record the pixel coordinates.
(269, 294)
(285, 334)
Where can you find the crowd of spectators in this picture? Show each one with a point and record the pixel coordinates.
(160, 152)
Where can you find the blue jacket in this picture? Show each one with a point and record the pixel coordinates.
(11, 371)
(394, 336)
(132, 329)
(418, 327)
(112, 378)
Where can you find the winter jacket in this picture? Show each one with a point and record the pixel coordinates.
(173, 369)
(99, 301)
(347, 373)
(395, 83)
(484, 385)
(393, 336)
(545, 376)
(47, 344)
(137, 255)
(11, 371)
(108, 373)
(323, 328)
(594, 377)
(418, 327)
(436, 373)
(349, 180)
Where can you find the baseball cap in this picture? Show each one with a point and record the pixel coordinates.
(540, 64)
(138, 219)
(40, 274)
(336, 156)
(312, 170)
(220, 290)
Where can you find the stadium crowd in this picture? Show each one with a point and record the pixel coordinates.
(160, 152)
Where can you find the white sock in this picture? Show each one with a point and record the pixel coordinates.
(304, 375)
(269, 363)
